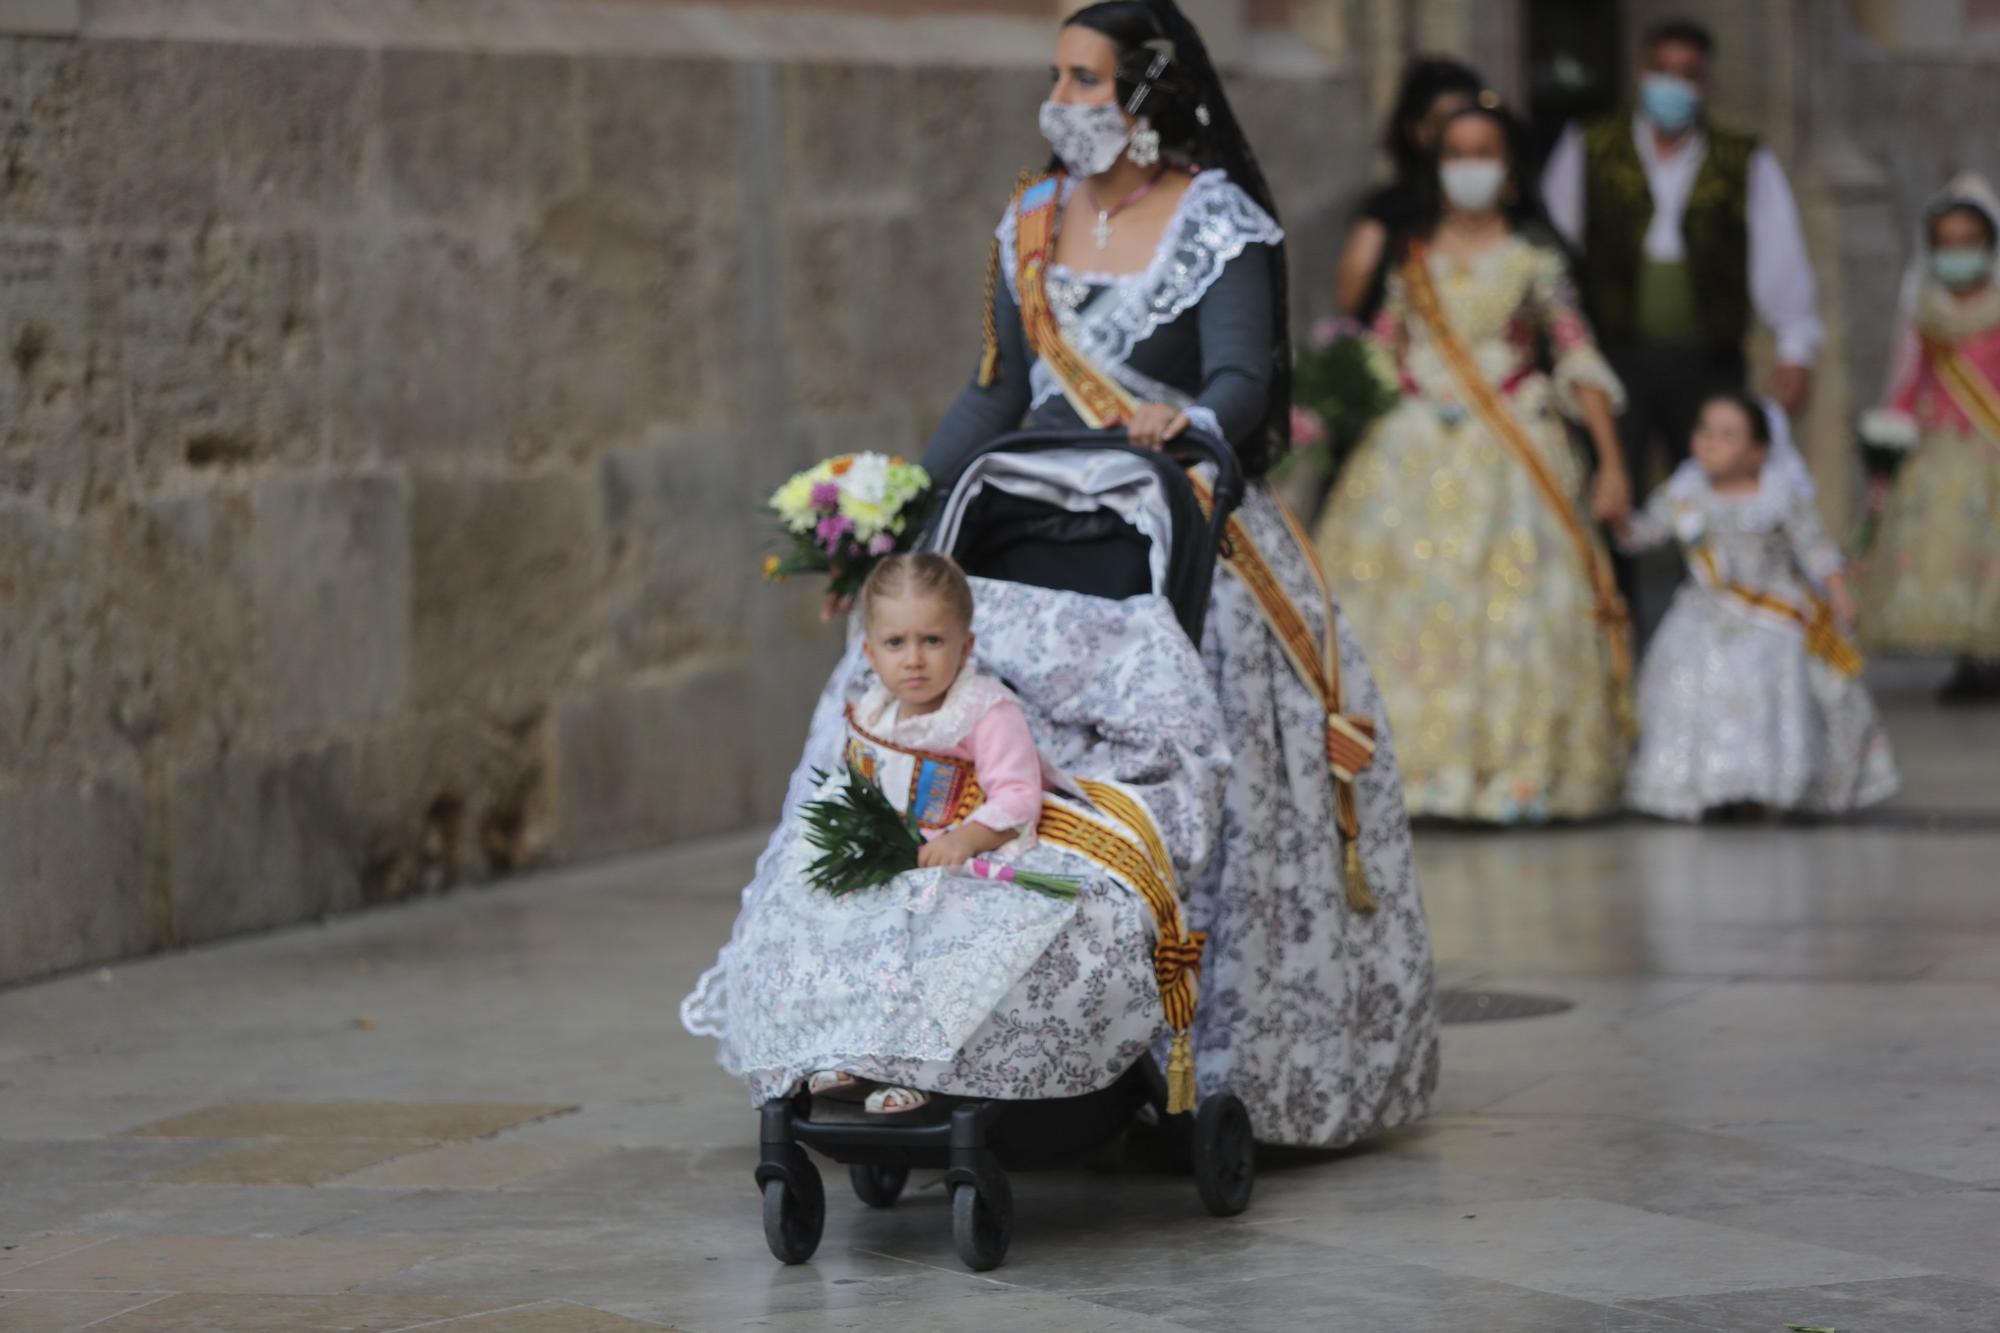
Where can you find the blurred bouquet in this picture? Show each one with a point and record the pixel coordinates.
(1887, 439)
(1342, 380)
(845, 514)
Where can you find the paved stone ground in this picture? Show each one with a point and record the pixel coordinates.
(1773, 1103)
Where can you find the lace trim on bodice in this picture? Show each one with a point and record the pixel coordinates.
(1213, 224)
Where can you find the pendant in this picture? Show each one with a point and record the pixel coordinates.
(1102, 231)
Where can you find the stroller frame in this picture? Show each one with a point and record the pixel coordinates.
(979, 1140)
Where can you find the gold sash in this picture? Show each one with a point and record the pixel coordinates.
(1119, 836)
(1499, 418)
(1101, 401)
(1823, 637)
(1968, 387)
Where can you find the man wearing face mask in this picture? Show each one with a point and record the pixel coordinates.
(1686, 229)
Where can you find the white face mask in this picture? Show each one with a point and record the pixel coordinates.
(1087, 139)
(1474, 184)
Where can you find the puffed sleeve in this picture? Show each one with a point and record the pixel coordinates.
(1559, 312)
(1815, 552)
(1009, 768)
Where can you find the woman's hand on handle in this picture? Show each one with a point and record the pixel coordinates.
(1153, 424)
(1611, 498)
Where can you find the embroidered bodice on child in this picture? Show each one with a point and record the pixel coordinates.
(972, 758)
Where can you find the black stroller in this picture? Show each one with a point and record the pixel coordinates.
(1078, 512)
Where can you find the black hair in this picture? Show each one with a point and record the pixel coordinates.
(1186, 104)
(1426, 80)
(1970, 209)
(1681, 30)
(1522, 205)
(1752, 410)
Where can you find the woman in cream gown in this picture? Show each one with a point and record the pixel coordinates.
(1457, 538)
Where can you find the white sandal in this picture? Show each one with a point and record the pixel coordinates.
(836, 1084)
(895, 1101)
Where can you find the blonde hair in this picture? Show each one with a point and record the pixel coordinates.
(922, 573)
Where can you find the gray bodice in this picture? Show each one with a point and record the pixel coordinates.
(1193, 328)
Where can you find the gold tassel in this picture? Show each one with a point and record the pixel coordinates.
(1180, 1075)
(1359, 899)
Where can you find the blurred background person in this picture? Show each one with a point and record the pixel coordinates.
(1932, 580)
(1433, 88)
(1457, 540)
(1685, 228)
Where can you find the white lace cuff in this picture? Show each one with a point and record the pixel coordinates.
(1583, 367)
(1204, 420)
(1886, 428)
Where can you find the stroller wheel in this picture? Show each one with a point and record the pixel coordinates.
(793, 1219)
(978, 1229)
(1225, 1155)
(877, 1186)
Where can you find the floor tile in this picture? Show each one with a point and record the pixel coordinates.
(1605, 1252)
(66, 1311)
(283, 1162)
(467, 1166)
(427, 1121)
(225, 1264)
(1956, 1233)
(204, 1313)
(1906, 1305)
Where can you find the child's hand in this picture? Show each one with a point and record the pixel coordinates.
(1842, 603)
(960, 845)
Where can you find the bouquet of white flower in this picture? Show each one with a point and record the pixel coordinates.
(844, 514)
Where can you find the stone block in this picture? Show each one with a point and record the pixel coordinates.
(449, 796)
(220, 346)
(630, 110)
(61, 415)
(846, 134)
(51, 596)
(627, 323)
(39, 90)
(76, 875)
(419, 344)
(187, 132)
(257, 840)
(506, 573)
(174, 663)
(331, 565)
(480, 136)
(654, 759)
(837, 276)
(679, 529)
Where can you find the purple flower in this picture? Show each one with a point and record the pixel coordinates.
(881, 544)
(832, 528)
(1330, 330)
(825, 495)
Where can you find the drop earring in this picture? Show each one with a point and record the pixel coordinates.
(1144, 146)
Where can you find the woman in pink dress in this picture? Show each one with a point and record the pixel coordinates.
(1931, 582)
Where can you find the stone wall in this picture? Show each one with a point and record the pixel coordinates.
(382, 428)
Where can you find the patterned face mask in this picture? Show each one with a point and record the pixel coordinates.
(1087, 139)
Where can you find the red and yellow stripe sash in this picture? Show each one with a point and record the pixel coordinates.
(1119, 836)
(1967, 386)
(1499, 418)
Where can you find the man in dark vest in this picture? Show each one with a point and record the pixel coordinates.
(1685, 228)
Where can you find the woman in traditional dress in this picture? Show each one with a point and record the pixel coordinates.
(1458, 539)
(1141, 283)
(1931, 583)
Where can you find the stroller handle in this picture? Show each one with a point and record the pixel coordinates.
(1190, 448)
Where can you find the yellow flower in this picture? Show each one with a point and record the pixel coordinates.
(771, 563)
(793, 501)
